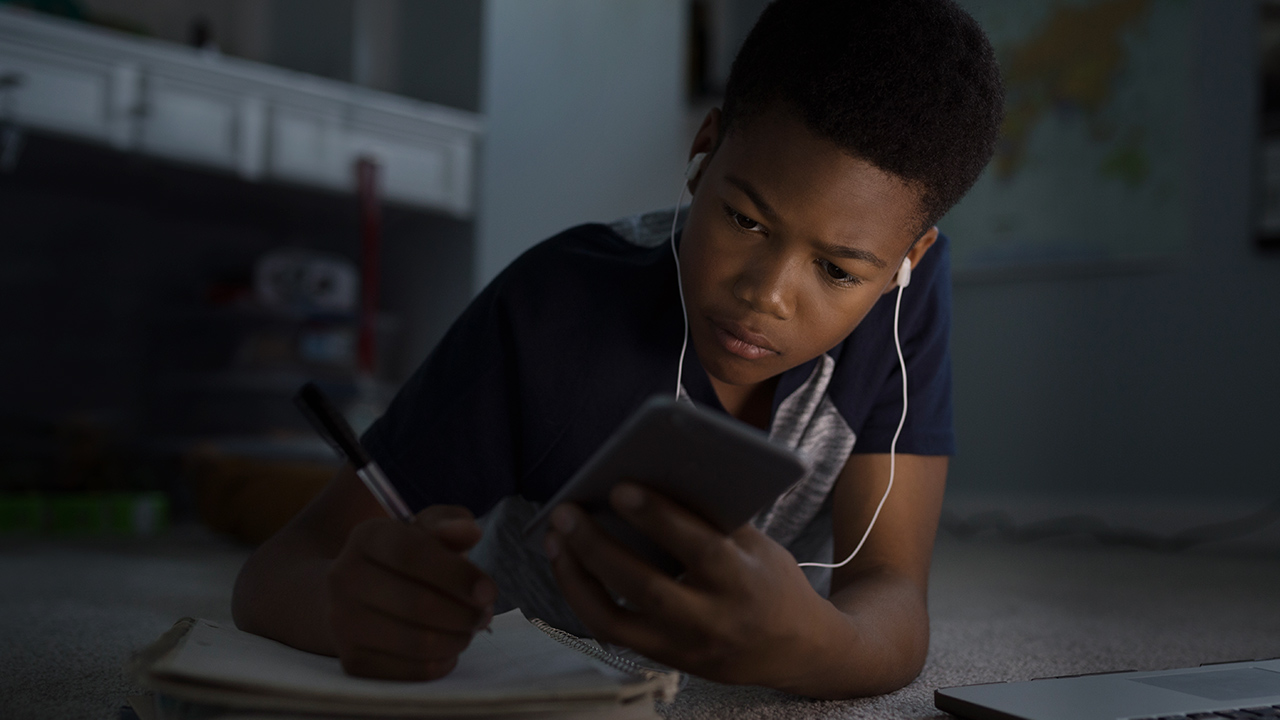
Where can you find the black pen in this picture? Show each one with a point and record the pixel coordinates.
(336, 431)
(333, 427)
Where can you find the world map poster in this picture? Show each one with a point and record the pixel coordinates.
(1093, 162)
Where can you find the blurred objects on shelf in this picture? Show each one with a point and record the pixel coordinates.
(128, 514)
(229, 367)
(296, 280)
(224, 401)
(188, 250)
(326, 346)
(79, 477)
(75, 454)
(250, 497)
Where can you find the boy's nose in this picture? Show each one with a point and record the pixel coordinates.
(764, 285)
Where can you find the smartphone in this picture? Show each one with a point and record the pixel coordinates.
(719, 468)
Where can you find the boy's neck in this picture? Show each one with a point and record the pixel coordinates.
(752, 404)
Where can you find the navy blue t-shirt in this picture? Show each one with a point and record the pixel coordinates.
(573, 336)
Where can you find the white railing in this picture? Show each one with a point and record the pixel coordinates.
(258, 121)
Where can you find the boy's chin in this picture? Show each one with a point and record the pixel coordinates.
(732, 370)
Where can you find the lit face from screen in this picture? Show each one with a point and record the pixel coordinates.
(789, 243)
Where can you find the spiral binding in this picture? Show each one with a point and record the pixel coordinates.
(669, 682)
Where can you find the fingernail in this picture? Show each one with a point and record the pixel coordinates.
(552, 546)
(562, 519)
(484, 592)
(628, 497)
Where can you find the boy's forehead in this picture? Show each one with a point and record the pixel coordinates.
(804, 177)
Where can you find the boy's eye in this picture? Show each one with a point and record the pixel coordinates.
(745, 222)
(742, 221)
(835, 274)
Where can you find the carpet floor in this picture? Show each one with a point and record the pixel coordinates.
(71, 612)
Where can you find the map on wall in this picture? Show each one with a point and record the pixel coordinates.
(1093, 164)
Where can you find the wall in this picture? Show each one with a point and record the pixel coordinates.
(1102, 385)
(439, 48)
(584, 117)
(313, 36)
(1159, 383)
(1114, 384)
(237, 27)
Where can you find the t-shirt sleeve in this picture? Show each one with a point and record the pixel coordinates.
(449, 436)
(533, 376)
(925, 331)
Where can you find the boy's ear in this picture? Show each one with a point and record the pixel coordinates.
(916, 253)
(705, 141)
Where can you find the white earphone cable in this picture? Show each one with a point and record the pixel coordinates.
(684, 311)
(897, 344)
(893, 446)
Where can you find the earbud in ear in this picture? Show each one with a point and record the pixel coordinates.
(904, 273)
(695, 165)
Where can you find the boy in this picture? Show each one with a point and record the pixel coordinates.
(848, 129)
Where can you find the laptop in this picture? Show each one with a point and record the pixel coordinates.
(1237, 690)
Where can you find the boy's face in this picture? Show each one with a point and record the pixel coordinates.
(788, 244)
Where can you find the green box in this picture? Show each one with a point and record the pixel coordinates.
(141, 514)
(21, 512)
(131, 514)
(76, 513)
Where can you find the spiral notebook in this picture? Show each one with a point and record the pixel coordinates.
(524, 669)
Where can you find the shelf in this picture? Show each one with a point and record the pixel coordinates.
(260, 122)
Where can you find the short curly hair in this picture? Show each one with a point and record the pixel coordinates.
(911, 86)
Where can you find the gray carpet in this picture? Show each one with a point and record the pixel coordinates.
(70, 612)
(1009, 612)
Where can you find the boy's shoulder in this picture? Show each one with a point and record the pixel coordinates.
(637, 240)
(586, 266)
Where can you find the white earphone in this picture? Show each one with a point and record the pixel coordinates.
(694, 166)
(903, 280)
(904, 273)
(690, 172)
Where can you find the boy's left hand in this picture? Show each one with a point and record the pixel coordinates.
(742, 612)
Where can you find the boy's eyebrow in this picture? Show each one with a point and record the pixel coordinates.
(765, 209)
(853, 253)
(749, 190)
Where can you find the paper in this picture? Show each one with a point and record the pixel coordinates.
(516, 662)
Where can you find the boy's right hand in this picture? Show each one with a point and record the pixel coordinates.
(404, 600)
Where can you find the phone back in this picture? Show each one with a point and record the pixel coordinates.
(714, 465)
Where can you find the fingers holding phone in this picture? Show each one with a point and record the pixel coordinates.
(740, 612)
(404, 600)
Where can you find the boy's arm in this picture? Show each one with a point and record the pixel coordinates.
(744, 612)
(280, 591)
(884, 590)
(389, 599)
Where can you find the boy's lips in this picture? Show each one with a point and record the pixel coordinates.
(742, 341)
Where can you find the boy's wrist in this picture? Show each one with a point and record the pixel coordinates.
(852, 647)
(817, 663)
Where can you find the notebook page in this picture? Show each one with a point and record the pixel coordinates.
(516, 662)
